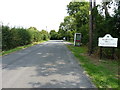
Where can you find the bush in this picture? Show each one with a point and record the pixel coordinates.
(13, 37)
(55, 35)
(84, 31)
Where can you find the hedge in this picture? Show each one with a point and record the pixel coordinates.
(14, 37)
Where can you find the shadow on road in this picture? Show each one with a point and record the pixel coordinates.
(47, 65)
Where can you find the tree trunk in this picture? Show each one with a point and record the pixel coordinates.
(106, 9)
(94, 3)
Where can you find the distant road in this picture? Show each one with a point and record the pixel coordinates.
(46, 65)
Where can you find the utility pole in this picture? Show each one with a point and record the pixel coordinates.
(93, 17)
(94, 22)
(91, 28)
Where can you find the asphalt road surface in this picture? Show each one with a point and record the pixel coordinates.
(46, 65)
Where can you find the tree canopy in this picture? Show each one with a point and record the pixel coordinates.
(104, 22)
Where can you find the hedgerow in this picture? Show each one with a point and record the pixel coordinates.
(14, 37)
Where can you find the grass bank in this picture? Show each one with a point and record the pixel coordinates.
(18, 48)
(103, 73)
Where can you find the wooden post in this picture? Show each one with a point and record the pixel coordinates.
(100, 52)
(113, 52)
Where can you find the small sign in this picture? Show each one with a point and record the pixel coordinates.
(108, 41)
(77, 39)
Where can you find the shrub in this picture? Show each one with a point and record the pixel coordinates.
(13, 37)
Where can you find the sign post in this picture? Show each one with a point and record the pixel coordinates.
(77, 39)
(107, 41)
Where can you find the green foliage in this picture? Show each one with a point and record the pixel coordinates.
(77, 21)
(69, 35)
(84, 31)
(45, 35)
(106, 25)
(6, 38)
(79, 10)
(55, 35)
(14, 37)
(103, 22)
(18, 48)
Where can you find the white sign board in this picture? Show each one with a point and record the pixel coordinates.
(108, 41)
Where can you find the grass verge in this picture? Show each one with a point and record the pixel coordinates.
(18, 48)
(103, 73)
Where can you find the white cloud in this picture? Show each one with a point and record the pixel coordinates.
(37, 13)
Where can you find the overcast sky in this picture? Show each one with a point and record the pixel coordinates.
(36, 13)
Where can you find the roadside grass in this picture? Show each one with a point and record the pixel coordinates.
(103, 73)
(18, 48)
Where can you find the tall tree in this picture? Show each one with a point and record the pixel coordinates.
(53, 35)
(79, 10)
